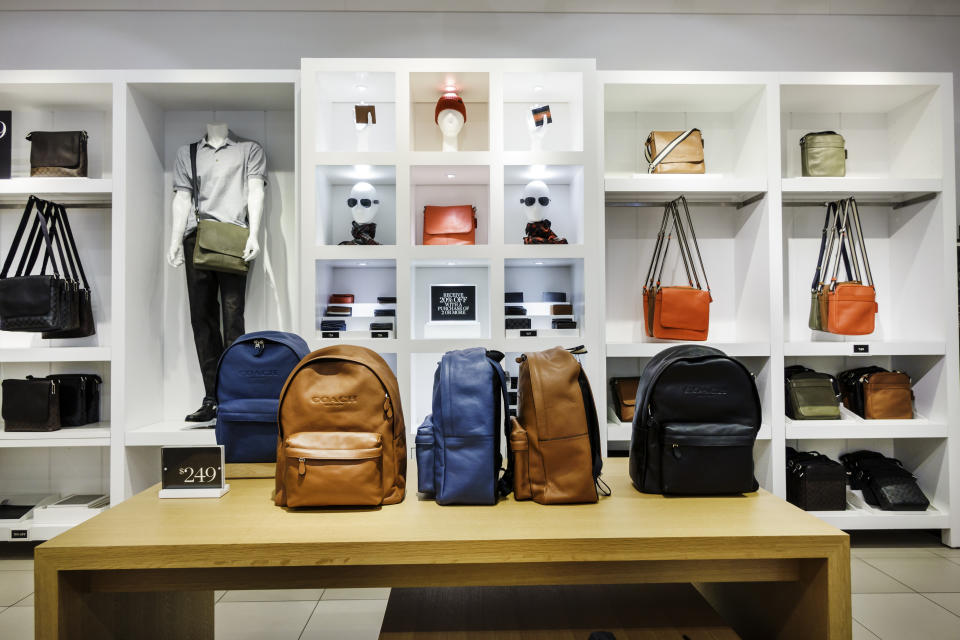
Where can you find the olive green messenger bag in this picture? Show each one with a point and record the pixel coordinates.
(219, 245)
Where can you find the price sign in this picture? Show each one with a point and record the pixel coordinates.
(187, 468)
(453, 302)
(6, 143)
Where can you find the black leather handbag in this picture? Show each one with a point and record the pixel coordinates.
(30, 405)
(60, 154)
(40, 302)
(63, 234)
(514, 310)
(79, 395)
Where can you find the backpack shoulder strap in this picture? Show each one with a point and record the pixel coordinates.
(593, 430)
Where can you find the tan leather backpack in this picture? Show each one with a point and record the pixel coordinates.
(342, 436)
(555, 440)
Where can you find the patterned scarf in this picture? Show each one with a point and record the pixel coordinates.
(540, 233)
(362, 233)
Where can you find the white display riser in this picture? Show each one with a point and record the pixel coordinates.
(543, 333)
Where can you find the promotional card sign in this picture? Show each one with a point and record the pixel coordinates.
(453, 303)
(6, 147)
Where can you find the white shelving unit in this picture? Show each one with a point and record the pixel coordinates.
(489, 171)
(899, 132)
(753, 212)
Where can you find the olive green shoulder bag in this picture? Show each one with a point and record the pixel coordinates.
(219, 245)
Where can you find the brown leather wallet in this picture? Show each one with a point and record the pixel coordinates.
(561, 309)
(341, 298)
(338, 311)
(362, 111)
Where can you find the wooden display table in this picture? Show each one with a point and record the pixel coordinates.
(147, 568)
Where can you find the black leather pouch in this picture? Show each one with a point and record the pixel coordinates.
(79, 395)
(512, 310)
(517, 323)
(384, 313)
(513, 296)
(30, 405)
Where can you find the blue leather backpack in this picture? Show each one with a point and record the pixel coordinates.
(250, 377)
(458, 445)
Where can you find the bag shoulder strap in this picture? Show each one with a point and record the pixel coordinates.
(666, 150)
(593, 431)
(195, 180)
(18, 237)
(72, 247)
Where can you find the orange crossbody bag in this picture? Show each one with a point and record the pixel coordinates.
(677, 312)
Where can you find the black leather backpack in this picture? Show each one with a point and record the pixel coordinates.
(697, 417)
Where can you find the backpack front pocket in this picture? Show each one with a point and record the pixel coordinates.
(247, 429)
(333, 468)
(705, 459)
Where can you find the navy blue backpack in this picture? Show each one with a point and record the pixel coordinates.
(250, 377)
(458, 445)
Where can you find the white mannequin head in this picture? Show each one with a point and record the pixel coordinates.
(363, 192)
(540, 192)
(450, 115)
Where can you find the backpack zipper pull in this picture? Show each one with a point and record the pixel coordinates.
(257, 347)
(302, 468)
(676, 451)
(387, 408)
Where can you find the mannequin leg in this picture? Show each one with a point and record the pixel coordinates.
(233, 290)
(204, 317)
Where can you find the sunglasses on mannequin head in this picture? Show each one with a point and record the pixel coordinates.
(530, 201)
(364, 202)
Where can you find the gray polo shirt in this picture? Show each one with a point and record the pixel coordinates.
(224, 174)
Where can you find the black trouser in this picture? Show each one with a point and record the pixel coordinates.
(202, 289)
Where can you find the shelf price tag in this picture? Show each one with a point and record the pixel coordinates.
(861, 348)
(192, 472)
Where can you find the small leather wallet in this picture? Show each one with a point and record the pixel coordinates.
(513, 398)
(561, 309)
(341, 298)
(384, 312)
(554, 296)
(381, 326)
(564, 324)
(517, 323)
(513, 310)
(513, 296)
(387, 299)
(541, 115)
(333, 325)
(365, 113)
(513, 382)
(338, 311)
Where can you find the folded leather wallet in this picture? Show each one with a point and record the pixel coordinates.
(561, 309)
(384, 312)
(341, 298)
(381, 326)
(554, 296)
(517, 323)
(333, 325)
(564, 324)
(513, 382)
(513, 398)
(513, 310)
(513, 296)
(338, 311)
(387, 299)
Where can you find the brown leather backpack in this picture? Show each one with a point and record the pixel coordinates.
(555, 441)
(342, 436)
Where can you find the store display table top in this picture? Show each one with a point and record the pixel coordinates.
(752, 551)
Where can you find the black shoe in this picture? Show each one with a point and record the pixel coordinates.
(206, 413)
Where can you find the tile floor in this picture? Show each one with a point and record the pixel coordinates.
(906, 586)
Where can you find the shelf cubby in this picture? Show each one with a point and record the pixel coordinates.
(333, 186)
(450, 185)
(426, 87)
(337, 93)
(566, 208)
(366, 280)
(533, 277)
(469, 272)
(562, 91)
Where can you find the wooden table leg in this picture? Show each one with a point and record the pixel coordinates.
(66, 610)
(816, 606)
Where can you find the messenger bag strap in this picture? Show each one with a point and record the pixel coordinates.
(195, 181)
(505, 482)
(18, 237)
(818, 272)
(44, 215)
(667, 149)
(72, 252)
(648, 282)
(693, 236)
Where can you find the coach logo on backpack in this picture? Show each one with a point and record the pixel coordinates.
(704, 390)
(334, 401)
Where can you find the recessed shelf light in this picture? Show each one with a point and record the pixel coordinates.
(450, 88)
(360, 87)
(538, 171)
(451, 263)
(361, 264)
(537, 89)
(363, 170)
(538, 262)
(451, 175)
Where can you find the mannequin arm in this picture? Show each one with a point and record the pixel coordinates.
(182, 206)
(256, 195)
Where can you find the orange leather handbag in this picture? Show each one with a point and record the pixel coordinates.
(677, 312)
(450, 225)
(848, 307)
